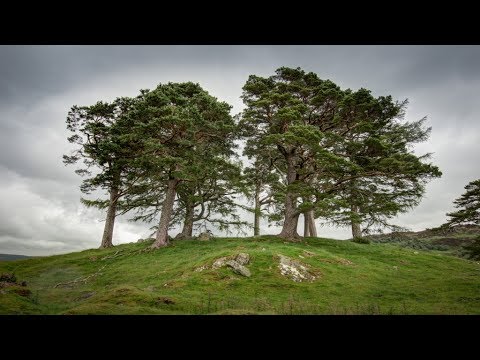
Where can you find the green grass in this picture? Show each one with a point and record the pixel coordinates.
(383, 279)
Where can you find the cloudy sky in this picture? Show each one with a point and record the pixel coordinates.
(40, 211)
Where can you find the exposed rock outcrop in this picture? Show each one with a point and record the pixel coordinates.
(238, 268)
(295, 270)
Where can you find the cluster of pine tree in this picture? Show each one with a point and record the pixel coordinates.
(169, 155)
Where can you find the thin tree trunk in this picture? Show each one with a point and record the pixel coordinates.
(256, 223)
(110, 220)
(290, 222)
(167, 210)
(356, 226)
(311, 223)
(306, 225)
(187, 230)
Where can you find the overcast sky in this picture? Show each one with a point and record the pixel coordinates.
(40, 211)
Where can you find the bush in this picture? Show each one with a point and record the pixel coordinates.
(473, 250)
(360, 240)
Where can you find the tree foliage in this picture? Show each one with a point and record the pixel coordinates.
(104, 151)
(468, 205)
(315, 149)
(182, 131)
(336, 149)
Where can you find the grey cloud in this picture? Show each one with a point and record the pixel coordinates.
(40, 211)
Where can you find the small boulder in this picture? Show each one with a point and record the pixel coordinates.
(220, 262)
(242, 258)
(294, 270)
(238, 268)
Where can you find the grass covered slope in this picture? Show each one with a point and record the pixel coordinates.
(451, 240)
(351, 278)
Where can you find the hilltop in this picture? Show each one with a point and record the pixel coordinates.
(348, 278)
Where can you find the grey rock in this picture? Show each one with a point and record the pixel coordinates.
(220, 262)
(242, 258)
(294, 270)
(238, 268)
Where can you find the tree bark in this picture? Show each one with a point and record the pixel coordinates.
(306, 225)
(356, 226)
(311, 223)
(290, 222)
(187, 230)
(161, 239)
(256, 221)
(110, 220)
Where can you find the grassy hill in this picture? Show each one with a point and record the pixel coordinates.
(449, 240)
(350, 279)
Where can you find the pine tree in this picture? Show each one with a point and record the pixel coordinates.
(182, 129)
(469, 206)
(292, 112)
(342, 152)
(103, 149)
(469, 213)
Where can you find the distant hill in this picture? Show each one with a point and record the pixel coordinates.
(451, 240)
(10, 257)
(184, 278)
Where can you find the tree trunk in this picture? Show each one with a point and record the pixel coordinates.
(167, 209)
(290, 222)
(110, 220)
(187, 230)
(311, 223)
(306, 225)
(356, 226)
(256, 223)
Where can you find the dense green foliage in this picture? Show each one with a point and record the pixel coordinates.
(468, 205)
(473, 249)
(469, 213)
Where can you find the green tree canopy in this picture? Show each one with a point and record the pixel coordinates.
(182, 130)
(468, 205)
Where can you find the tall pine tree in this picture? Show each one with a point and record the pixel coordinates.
(106, 153)
(182, 129)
